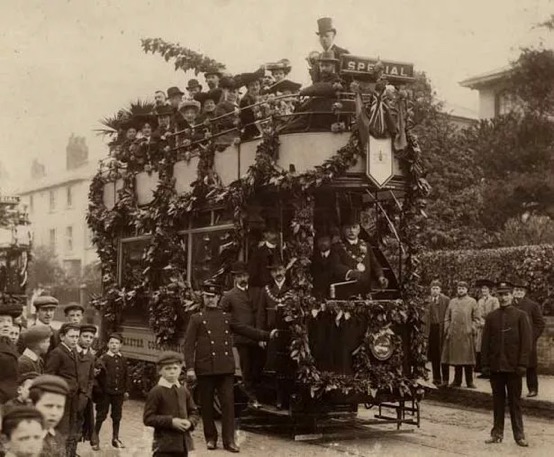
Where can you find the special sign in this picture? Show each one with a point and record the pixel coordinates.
(395, 71)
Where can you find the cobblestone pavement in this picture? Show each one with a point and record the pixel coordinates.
(445, 431)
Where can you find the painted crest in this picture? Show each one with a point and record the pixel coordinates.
(379, 160)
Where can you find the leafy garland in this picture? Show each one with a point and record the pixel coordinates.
(169, 295)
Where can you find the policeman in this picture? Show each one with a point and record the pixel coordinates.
(505, 350)
(209, 356)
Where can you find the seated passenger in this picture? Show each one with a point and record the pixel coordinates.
(279, 70)
(209, 101)
(175, 97)
(285, 106)
(227, 111)
(189, 110)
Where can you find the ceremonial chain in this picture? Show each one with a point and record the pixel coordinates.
(273, 297)
(359, 259)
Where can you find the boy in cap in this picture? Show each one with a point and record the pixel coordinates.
(85, 379)
(114, 384)
(8, 352)
(62, 362)
(37, 342)
(48, 393)
(23, 427)
(170, 409)
(74, 313)
(22, 398)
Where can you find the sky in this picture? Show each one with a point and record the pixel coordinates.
(64, 65)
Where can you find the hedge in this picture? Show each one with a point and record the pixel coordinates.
(533, 264)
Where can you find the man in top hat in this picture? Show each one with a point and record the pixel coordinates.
(357, 260)
(327, 33)
(262, 255)
(437, 303)
(486, 303)
(193, 88)
(37, 343)
(8, 352)
(175, 97)
(534, 313)
(325, 261)
(209, 358)
(460, 326)
(505, 350)
(238, 303)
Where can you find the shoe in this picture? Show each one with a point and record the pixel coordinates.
(232, 448)
(211, 445)
(482, 376)
(116, 442)
(533, 393)
(471, 386)
(522, 442)
(96, 447)
(493, 440)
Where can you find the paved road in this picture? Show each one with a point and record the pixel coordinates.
(445, 431)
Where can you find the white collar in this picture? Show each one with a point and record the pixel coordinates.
(280, 284)
(112, 354)
(325, 253)
(244, 289)
(164, 383)
(352, 243)
(51, 431)
(67, 347)
(82, 350)
(270, 245)
(32, 355)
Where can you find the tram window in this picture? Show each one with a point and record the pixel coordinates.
(130, 275)
(210, 252)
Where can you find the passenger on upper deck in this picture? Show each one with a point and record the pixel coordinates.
(327, 34)
(209, 101)
(193, 88)
(279, 70)
(159, 98)
(252, 96)
(213, 76)
(175, 97)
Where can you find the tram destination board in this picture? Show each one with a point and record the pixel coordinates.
(365, 67)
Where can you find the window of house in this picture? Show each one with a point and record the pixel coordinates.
(52, 200)
(69, 196)
(505, 103)
(69, 238)
(52, 238)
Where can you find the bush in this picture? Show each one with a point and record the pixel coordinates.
(533, 264)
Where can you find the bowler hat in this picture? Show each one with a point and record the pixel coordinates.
(51, 383)
(284, 85)
(504, 286)
(36, 334)
(211, 288)
(349, 219)
(239, 268)
(88, 328)
(73, 307)
(485, 283)
(45, 301)
(324, 25)
(169, 357)
(116, 336)
(327, 56)
(193, 84)
(172, 91)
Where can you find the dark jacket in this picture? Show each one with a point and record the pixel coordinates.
(85, 371)
(26, 365)
(439, 308)
(360, 253)
(314, 72)
(260, 258)
(239, 304)
(325, 271)
(209, 342)
(9, 370)
(533, 311)
(162, 405)
(247, 117)
(506, 340)
(270, 299)
(62, 362)
(114, 377)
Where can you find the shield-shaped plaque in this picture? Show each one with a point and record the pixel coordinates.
(379, 160)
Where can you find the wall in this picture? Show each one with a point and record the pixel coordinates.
(487, 103)
(545, 348)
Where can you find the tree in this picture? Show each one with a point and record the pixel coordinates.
(44, 270)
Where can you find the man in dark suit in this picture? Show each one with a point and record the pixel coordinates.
(209, 358)
(356, 256)
(62, 362)
(85, 372)
(8, 353)
(505, 350)
(325, 266)
(261, 256)
(327, 33)
(437, 303)
(533, 311)
(238, 303)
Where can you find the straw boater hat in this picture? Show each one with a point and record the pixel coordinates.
(190, 104)
(283, 64)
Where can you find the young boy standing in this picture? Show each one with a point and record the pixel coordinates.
(85, 374)
(48, 393)
(37, 342)
(23, 427)
(169, 408)
(114, 383)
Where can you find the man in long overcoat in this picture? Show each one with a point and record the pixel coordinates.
(460, 324)
(505, 355)
(486, 304)
(437, 303)
(533, 310)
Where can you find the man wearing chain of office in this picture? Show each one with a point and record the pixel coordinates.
(357, 261)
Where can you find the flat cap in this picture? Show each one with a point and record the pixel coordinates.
(88, 328)
(462, 284)
(26, 376)
(51, 383)
(69, 326)
(36, 334)
(116, 336)
(45, 301)
(16, 414)
(73, 307)
(168, 357)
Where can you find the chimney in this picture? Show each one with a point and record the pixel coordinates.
(38, 170)
(76, 152)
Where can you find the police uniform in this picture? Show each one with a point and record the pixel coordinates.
(209, 351)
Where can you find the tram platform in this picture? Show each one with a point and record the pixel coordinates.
(541, 406)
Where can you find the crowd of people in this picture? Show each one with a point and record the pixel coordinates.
(495, 335)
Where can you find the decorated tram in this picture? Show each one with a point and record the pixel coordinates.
(168, 214)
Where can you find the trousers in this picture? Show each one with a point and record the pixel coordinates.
(532, 379)
(440, 371)
(107, 401)
(208, 385)
(251, 359)
(459, 370)
(507, 385)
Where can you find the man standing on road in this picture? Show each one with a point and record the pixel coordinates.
(460, 324)
(485, 304)
(505, 355)
(533, 310)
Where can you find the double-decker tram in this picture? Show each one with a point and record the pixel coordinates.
(322, 200)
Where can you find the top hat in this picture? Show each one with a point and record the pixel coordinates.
(73, 306)
(348, 218)
(324, 25)
(239, 268)
(485, 283)
(193, 84)
(284, 85)
(504, 286)
(327, 56)
(213, 71)
(174, 91)
(211, 288)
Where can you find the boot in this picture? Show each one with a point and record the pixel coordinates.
(116, 442)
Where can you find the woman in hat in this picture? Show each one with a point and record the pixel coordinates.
(252, 96)
(279, 70)
(8, 352)
(229, 108)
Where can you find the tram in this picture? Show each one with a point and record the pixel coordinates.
(168, 215)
